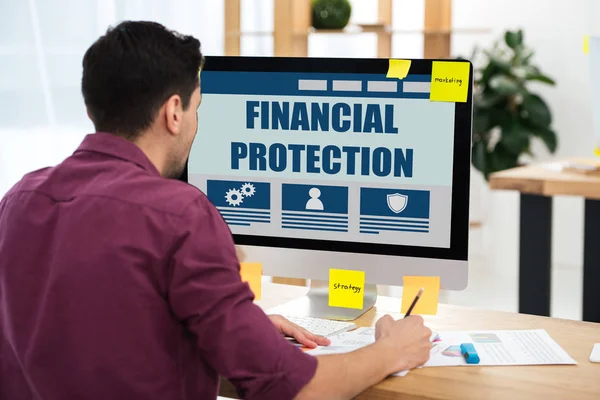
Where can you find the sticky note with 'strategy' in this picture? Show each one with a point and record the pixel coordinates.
(252, 273)
(450, 81)
(398, 69)
(346, 288)
(428, 303)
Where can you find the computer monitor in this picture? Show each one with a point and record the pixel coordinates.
(321, 163)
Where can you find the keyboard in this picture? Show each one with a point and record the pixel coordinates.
(322, 327)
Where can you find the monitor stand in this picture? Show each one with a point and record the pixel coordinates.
(315, 304)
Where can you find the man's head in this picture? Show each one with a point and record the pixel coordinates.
(141, 82)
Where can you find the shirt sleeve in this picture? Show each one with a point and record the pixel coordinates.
(234, 335)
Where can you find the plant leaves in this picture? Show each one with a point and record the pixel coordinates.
(481, 122)
(503, 101)
(502, 65)
(519, 72)
(524, 56)
(540, 78)
(513, 39)
(538, 112)
(515, 138)
(549, 137)
(520, 35)
(532, 70)
(488, 98)
(500, 115)
(505, 85)
(501, 158)
(479, 155)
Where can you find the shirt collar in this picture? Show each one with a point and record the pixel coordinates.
(116, 146)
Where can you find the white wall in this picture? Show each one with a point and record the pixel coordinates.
(42, 42)
(555, 29)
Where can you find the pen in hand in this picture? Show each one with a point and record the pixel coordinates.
(417, 297)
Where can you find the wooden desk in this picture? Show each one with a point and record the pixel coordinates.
(537, 184)
(579, 382)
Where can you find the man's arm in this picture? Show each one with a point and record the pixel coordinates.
(400, 345)
(233, 335)
(343, 376)
(238, 340)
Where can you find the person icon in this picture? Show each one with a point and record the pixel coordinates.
(314, 203)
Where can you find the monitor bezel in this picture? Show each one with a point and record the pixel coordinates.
(459, 229)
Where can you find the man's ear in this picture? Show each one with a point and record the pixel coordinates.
(174, 114)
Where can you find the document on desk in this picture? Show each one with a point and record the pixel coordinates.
(495, 348)
(347, 342)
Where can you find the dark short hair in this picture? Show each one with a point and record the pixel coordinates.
(132, 70)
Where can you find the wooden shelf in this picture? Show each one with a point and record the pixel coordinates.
(357, 30)
(249, 33)
(292, 28)
(349, 30)
(353, 30)
(475, 224)
(468, 31)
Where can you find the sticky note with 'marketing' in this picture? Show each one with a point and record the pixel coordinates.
(450, 81)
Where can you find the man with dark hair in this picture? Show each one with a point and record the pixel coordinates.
(117, 283)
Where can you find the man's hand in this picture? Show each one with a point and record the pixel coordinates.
(407, 338)
(399, 345)
(303, 336)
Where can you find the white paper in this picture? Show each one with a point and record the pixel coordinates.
(595, 354)
(354, 340)
(347, 342)
(324, 350)
(522, 347)
(357, 338)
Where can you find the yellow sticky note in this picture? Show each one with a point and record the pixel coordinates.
(428, 303)
(586, 44)
(346, 288)
(252, 273)
(449, 81)
(398, 69)
(597, 151)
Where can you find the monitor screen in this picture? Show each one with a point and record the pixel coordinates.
(331, 154)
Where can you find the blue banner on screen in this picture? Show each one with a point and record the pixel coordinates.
(314, 207)
(241, 203)
(394, 210)
(350, 157)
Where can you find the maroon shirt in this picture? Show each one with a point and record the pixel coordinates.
(116, 283)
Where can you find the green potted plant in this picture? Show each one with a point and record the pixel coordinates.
(507, 114)
(330, 14)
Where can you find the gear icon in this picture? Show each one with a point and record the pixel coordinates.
(234, 197)
(248, 190)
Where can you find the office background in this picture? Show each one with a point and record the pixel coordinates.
(43, 119)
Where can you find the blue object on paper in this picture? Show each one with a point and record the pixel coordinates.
(469, 353)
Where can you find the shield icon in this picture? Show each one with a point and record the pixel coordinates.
(397, 202)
